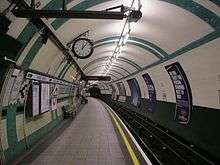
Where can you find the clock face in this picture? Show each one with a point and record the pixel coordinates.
(82, 48)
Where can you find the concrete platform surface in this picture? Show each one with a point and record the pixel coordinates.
(89, 139)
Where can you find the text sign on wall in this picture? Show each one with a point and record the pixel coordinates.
(182, 92)
(151, 92)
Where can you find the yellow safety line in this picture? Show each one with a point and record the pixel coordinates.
(129, 148)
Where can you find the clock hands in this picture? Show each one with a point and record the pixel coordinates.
(83, 46)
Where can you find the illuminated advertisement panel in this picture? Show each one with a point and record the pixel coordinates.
(135, 92)
(182, 91)
(122, 92)
(35, 98)
(45, 97)
(151, 92)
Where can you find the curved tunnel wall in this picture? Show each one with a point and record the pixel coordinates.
(201, 66)
(187, 32)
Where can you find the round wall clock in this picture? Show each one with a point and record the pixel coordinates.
(82, 48)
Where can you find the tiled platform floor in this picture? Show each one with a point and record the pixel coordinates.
(90, 139)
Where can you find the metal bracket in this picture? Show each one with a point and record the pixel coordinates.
(30, 13)
(82, 34)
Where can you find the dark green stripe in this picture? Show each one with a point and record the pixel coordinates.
(13, 151)
(81, 6)
(165, 54)
(53, 4)
(189, 5)
(110, 40)
(116, 66)
(204, 40)
(26, 36)
(66, 71)
(217, 2)
(119, 59)
(209, 37)
(110, 70)
(206, 15)
(132, 43)
(64, 67)
(31, 54)
(11, 126)
(197, 132)
(112, 75)
(29, 30)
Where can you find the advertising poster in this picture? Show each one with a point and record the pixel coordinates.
(114, 96)
(135, 92)
(122, 92)
(35, 98)
(45, 97)
(151, 92)
(54, 95)
(182, 91)
(54, 104)
(16, 86)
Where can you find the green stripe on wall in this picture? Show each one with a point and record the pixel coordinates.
(11, 128)
(64, 68)
(115, 66)
(25, 36)
(149, 45)
(31, 54)
(11, 125)
(13, 151)
(203, 13)
(132, 43)
(119, 59)
(207, 38)
(217, 2)
(64, 73)
(81, 6)
(197, 9)
(204, 40)
(201, 131)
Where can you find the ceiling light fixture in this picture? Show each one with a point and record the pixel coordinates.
(132, 17)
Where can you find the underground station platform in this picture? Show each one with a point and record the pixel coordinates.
(104, 82)
(95, 136)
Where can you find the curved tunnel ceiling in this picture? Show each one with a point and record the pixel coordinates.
(185, 32)
(167, 29)
(166, 37)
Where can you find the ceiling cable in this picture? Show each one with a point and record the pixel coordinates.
(123, 38)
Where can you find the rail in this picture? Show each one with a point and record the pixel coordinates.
(162, 145)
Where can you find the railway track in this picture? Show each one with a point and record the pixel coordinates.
(161, 144)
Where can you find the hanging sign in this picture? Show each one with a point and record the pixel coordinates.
(182, 92)
(151, 92)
